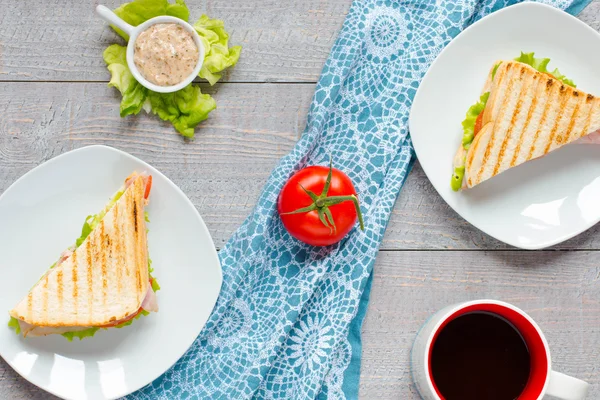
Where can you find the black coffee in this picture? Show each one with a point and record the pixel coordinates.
(480, 356)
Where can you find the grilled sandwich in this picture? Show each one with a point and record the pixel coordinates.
(103, 281)
(525, 113)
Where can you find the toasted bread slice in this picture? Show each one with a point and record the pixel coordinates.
(104, 280)
(528, 114)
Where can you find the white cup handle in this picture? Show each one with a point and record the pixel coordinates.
(106, 14)
(566, 387)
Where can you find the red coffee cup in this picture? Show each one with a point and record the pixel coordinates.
(542, 379)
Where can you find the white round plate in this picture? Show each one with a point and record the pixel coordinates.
(41, 215)
(542, 202)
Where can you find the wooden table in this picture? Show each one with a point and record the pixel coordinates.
(54, 99)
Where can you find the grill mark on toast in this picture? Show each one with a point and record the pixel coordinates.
(109, 249)
(30, 305)
(59, 287)
(90, 280)
(138, 280)
(136, 245)
(45, 299)
(563, 102)
(469, 158)
(122, 249)
(75, 287)
(135, 219)
(490, 144)
(560, 139)
(532, 107)
(103, 262)
(471, 153)
(588, 121)
(508, 136)
(542, 119)
(116, 247)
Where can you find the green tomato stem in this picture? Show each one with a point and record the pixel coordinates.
(322, 203)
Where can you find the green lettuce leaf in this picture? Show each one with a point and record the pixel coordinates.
(185, 108)
(85, 231)
(495, 70)
(13, 323)
(457, 178)
(139, 11)
(133, 93)
(469, 122)
(541, 64)
(80, 334)
(154, 282)
(218, 55)
(155, 285)
(92, 331)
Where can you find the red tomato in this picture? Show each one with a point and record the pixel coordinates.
(148, 187)
(340, 201)
(478, 123)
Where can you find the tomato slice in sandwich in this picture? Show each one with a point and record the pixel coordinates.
(132, 316)
(478, 123)
(149, 186)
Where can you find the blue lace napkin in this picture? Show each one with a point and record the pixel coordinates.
(287, 323)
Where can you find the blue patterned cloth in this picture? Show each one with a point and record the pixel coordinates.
(287, 323)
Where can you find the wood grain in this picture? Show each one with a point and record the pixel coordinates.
(287, 41)
(63, 40)
(223, 170)
(13, 387)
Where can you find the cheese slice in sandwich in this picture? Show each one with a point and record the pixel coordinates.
(103, 281)
(527, 114)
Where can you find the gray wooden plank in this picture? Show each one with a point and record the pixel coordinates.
(224, 168)
(279, 46)
(14, 387)
(64, 40)
(560, 290)
(283, 41)
(222, 171)
(591, 15)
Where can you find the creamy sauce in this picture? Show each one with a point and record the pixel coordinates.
(165, 54)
